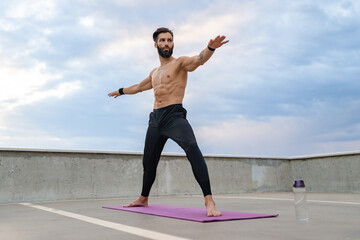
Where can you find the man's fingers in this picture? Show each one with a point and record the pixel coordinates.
(113, 94)
(218, 41)
(224, 42)
(220, 38)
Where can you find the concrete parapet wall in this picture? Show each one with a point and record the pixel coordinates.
(46, 175)
(330, 173)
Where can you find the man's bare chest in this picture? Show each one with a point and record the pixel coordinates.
(163, 76)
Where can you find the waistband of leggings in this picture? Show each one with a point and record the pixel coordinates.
(167, 107)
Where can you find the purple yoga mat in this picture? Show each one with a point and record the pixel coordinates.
(191, 214)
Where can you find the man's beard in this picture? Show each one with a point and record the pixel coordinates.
(165, 54)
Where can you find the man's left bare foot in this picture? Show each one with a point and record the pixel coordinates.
(211, 210)
(140, 202)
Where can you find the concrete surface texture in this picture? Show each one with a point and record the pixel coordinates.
(329, 173)
(332, 217)
(47, 175)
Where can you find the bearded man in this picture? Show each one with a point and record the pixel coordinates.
(168, 118)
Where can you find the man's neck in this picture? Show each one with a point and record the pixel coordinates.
(164, 61)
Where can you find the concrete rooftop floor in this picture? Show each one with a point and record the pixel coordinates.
(332, 216)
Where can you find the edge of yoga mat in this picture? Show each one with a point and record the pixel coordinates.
(190, 214)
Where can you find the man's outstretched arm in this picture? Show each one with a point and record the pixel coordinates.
(144, 85)
(192, 63)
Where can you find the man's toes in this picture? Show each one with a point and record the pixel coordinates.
(130, 205)
(213, 213)
(216, 214)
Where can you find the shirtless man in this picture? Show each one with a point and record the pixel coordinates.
(168, 119)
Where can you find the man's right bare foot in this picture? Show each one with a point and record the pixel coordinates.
(140, 202)
(211, 210)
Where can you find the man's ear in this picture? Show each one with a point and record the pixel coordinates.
(155, 45)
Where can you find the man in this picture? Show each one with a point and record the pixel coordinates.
(168, 120)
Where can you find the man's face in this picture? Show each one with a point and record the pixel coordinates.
(165, 45)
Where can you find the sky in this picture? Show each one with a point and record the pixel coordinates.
(287, 83)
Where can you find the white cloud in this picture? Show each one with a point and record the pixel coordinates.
(37, 9)
(212, 22)
(342, 8)
(137, 42)
(134, 47)
(29, 136)
(314, 130)
(276, 136)
(142, 3)
(20, 86)
(7, 26)
(86, 21)
(337, 146)
(124, 46)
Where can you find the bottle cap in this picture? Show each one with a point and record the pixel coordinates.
(298, 183)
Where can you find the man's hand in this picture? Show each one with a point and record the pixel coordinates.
(217, 42)
(192, 63)
(114, 94)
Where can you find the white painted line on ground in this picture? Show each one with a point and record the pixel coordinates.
(334, 202)
(116, 226)
(256, 198)
(289, 199)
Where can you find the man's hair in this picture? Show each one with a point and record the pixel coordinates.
(161, 30)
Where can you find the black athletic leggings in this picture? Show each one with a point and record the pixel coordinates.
(170, 122)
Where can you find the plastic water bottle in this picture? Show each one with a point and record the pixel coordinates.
(300, 200)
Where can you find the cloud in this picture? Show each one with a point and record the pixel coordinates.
(126, 44)
(285, 84)
(37, 9)
(136, 43)
(7, 26)
(21, 86)
(341, 9)
(275, 136)
(317, 128)
(38, 138)
(87, 21)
